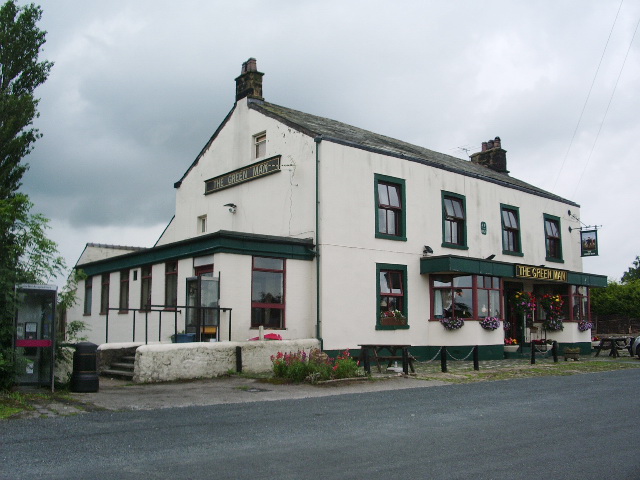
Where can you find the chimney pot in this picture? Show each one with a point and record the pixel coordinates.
(249, 83)
(490, 144)
(484, 146)
(497, 143)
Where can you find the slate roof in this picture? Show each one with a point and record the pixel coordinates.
(342, 133)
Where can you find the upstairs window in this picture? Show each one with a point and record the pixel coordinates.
(260, 145)
(390, 211)
(553, 240)
(202, 224)
(454, 233)
(510, 230)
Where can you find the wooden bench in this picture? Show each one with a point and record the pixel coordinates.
(393, 356)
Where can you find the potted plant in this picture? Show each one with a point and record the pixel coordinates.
(183, 337)
(511, 345)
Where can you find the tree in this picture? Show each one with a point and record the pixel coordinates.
(617, 299)
(633, 273)
(20, 74)
(26, 254)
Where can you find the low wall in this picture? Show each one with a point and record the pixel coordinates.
(179, 361)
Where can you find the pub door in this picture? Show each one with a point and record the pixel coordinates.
(516, 322)
(202, 317)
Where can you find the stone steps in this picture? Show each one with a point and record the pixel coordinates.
(123, 367)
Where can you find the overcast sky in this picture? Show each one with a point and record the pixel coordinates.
(138, 87)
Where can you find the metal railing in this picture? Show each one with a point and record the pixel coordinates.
(166, 309)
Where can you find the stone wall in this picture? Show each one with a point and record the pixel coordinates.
(180, 361)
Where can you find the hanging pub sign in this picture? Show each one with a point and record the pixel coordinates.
(589, 243)
(241, 175)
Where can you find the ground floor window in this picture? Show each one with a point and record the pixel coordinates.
(466, 296)
(104, 293)
(268, 292)
(391, 295)
(88, 292)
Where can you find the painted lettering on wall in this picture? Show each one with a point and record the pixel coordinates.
(251, 172)
(541, 273)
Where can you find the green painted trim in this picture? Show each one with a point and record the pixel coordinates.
(446, 244)
(546, 217)
(504, 206)
(476, 266)
(377, 177)
(405, 306)
(219, 242)
(393, 327)
(586, 279)
(455, 264)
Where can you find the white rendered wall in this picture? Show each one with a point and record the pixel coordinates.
(281, 204)
(349, 249)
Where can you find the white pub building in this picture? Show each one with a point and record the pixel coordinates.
(311, 228)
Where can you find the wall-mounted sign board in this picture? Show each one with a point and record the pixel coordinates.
(242, 175)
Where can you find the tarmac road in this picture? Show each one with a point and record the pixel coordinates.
(578, 426)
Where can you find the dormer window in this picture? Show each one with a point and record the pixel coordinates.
(260, 145)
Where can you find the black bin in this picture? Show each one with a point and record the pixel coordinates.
(84, 378)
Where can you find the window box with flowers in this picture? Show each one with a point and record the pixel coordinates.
(391, 318)
(452, 323)
(490, 323)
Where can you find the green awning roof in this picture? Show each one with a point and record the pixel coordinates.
(219, 242)
(451, 264)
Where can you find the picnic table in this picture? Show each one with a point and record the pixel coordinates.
(614, 344)
(394, 353)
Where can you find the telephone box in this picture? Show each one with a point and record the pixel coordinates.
(35, 334)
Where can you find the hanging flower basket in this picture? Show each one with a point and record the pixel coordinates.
(552, 307)
(452, 323)
(490, 323)
(524, 303)
(553, 324)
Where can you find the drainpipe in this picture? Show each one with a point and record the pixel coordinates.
(318, 139)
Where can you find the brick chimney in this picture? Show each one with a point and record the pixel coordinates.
(249, 83)
(492, 156)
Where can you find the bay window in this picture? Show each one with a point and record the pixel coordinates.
(466, 296)
(268, 292)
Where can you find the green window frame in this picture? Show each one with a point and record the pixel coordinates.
(511, 238)
(394, 276)
(454, 221)
(390, 210)
(553, 238)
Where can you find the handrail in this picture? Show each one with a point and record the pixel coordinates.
(175, 309)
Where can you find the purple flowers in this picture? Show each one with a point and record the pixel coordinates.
(490, 323)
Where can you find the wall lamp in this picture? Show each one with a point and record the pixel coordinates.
(232, 207)
(491, 257)
(427, 250)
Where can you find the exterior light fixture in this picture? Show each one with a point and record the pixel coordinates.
(232, 207)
